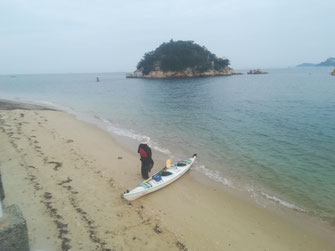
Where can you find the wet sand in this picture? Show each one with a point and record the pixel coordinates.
(67, 177)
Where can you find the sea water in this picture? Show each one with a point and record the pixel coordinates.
(271, 135)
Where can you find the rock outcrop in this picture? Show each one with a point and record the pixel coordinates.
(188, 73)
(257, 71)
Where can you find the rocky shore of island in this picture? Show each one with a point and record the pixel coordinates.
(257, 71)
(188, 73)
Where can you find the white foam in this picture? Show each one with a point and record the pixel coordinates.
(256, 196)
(47, 104)
(282, 202)
(107, 125)
(252, 192)
(122, 132)
(214, 175)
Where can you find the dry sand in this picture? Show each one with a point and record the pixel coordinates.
(67, 176)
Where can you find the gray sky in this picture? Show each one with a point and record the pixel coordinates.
(41, 36)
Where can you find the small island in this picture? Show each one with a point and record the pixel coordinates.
(180, 59)
(257, 71)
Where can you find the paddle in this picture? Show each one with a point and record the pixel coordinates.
(167, 165)
(147, 180)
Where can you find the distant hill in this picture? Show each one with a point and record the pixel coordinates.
(306, 65)
(328, 62)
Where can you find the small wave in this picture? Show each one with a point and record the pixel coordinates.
(107, 125)
(123, 132)
(282, 202)
(34, 102)
(132, 135)
(256, 194)
(214, 175)
(57, 106)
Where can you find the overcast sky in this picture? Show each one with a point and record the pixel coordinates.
(41, 36)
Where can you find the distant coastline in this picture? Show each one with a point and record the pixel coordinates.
(328, 62)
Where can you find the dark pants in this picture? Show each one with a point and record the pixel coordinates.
(146, 167)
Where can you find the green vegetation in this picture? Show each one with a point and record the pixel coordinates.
(180, 55)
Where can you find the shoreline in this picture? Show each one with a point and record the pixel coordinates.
(210, 215)
(161, 154)
(188, 73)
(182, 77)
(252, 194)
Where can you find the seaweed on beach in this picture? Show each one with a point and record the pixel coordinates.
(57, 164)
(62, 227)
(47, 196)
(181, 246)
(36, 185)
(89, 223)
(91, 228)
(158, 229)
(68, 180)
(53, 212)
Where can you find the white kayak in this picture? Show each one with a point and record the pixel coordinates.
(161, 179)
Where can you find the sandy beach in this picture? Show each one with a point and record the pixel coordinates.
(67, 178)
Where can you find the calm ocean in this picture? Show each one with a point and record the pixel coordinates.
(272, 135)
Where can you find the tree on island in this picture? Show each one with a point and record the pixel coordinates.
(180, 55)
